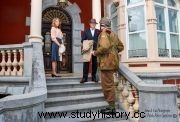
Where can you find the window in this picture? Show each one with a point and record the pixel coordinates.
(160, 18)
(161, 32)
(114, 18)
(167, 28)
(136, 19)
(137, 33)
(173, 21)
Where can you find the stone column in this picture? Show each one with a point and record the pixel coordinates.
(122, 27)
(38, 73)
(96, 11)
(36, 17)
(151, 30)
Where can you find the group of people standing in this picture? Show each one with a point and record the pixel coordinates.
(106, 46)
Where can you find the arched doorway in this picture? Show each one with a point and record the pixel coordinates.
(47, 15)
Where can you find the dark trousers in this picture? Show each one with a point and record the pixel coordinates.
(86, 68)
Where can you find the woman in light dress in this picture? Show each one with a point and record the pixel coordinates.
(57, 40)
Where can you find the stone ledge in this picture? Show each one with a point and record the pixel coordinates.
(14, 79)
(162, 75)
(25, 100)
(15, 46)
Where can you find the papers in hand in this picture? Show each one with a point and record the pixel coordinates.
(87, 49)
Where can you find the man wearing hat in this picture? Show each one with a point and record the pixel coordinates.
(107, 51)
(90, 34)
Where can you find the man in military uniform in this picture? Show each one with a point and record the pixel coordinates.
(107, 51)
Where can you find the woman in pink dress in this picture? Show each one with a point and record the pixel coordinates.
(56, 37)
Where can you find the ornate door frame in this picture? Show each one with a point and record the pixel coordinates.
(74, 11)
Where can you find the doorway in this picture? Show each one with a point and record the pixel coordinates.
(47, 15)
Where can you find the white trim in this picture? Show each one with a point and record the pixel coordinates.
(174, 33)
(161, 31)
(168, 41)
(127, 30)
(146, 28)
(179, 20)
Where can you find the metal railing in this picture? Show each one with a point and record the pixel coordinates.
(163, 52)
(137, 53)
(175, 53)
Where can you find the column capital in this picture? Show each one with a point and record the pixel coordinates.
(152, 21)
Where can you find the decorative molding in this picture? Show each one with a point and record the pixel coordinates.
(152, 21)
(53, 12)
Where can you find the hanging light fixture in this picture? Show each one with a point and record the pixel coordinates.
(63, 1)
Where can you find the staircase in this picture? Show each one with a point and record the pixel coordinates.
(66, 94)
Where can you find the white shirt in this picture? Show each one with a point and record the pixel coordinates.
(92, 31)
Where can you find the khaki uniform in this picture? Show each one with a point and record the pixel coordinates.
(108, 48)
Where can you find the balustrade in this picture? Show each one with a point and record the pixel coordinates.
(11, 62)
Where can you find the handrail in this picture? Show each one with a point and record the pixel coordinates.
(134, 95)
(4, 47)
(35, 75)
(140, 85)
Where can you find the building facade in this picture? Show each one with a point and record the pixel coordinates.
(149, 29)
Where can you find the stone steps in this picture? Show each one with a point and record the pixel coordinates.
(71, 100)
(71, 115)
(74, 91)
(69, 85)
(67, 95)
(64, 79)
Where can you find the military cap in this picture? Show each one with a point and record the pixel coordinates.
(105, 22)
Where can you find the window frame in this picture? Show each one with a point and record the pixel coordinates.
(167, 26)
(130, 6)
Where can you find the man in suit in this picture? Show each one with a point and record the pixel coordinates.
(90, 34)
